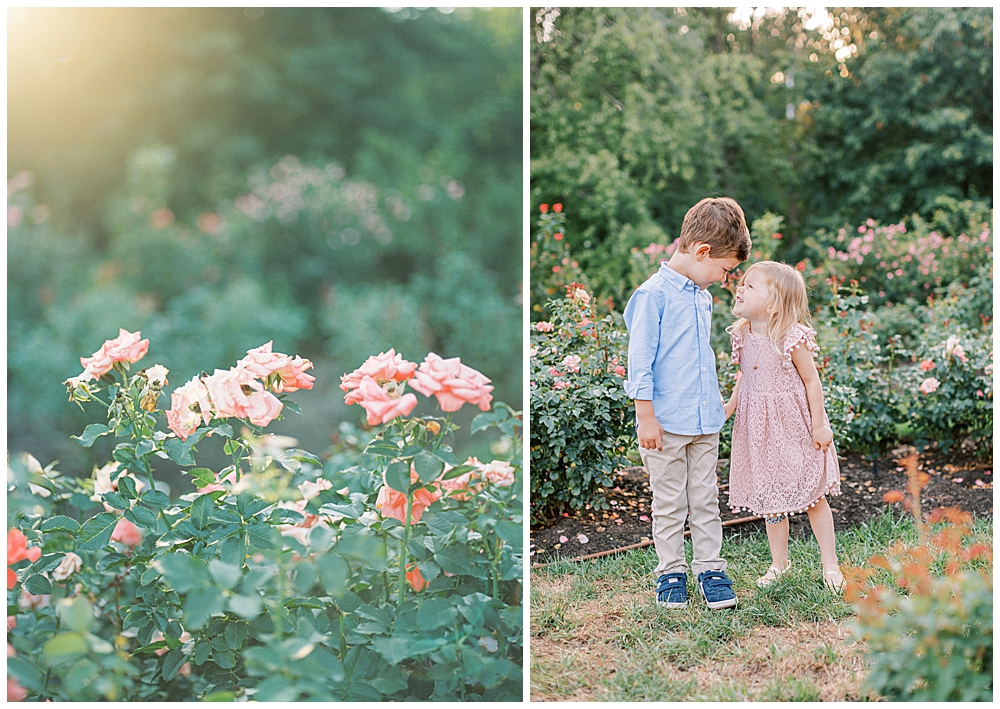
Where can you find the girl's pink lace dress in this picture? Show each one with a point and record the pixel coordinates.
(774, 467)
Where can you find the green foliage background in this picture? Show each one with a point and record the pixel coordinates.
(638, 113)
(118, 113)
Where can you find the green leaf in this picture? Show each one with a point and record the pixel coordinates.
(142, 516)
(292, 406)
(201, 604)
(362, 545)
(37, 585)
(453, 559)
(155, 498)
(262, 536)
(179, 451)
(334, 573)
(144, 448)
(126, 486)
(435, 613)
(76, 613)
(428, 467)
(246, 607)
(172, 662)
(91, 434)
(60, 523)
(64, 647)
(26, 674)
(225, 575)
(184, 571)
(202, 476)
(201, 511)
(116, 500)
(397, 476)
(96, 532)
(234, 550)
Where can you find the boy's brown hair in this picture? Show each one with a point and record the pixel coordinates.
(720, 223)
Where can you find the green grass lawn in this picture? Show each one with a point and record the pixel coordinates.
(596, 633)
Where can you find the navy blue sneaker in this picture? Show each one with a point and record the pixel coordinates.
(672, 591)
(717, 588)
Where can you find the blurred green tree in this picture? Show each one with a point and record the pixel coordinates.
(384, 146)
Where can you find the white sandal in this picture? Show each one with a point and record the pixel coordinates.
(773, 574)
(834, 580)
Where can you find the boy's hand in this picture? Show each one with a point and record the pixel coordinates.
(822, 438)
(649, 431)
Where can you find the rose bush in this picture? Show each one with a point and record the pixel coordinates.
(391, 571)
(582, 421)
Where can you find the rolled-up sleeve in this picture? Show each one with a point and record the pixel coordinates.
(642, 318)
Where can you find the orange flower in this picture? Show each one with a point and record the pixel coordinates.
(893, 496)
(392, 503)
(415, 578)
(17, 550)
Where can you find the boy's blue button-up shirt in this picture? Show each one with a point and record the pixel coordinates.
(670, 359)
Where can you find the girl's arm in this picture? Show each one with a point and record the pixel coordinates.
(806, 367)
(730, 406)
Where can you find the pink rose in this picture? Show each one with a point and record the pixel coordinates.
(381, 407)
(312, 488)
(927, 365)
(572, 363)
(929, 385)
(384, 367)
(262, 362)
(190, 406)
(31, 602)
(461, 487)
(237, 393)
(127, 347)
(620, 371)
(70, 564)
(544, 326)
(126, 533)
(453, 383)
(499, 472)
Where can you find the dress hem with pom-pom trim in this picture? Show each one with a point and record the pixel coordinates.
(833, 490)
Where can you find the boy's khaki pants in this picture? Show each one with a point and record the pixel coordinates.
(683, 481)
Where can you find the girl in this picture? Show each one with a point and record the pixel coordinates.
(783, 460)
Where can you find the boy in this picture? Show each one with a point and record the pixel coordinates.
(679, 410)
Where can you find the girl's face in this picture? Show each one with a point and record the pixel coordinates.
(751, 297)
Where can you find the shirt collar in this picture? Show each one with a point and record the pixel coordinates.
(678, 281)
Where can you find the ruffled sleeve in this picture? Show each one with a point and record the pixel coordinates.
(798, 336)
(737, 341)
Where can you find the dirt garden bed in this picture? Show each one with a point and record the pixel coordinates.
(957, 479)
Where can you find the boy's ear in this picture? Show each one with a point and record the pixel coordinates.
(702, 250)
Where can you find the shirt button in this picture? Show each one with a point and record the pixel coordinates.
(704, 403)
(703, 369)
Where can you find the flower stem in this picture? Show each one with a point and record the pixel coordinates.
(402, 551)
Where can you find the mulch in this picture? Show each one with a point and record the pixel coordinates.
(956, 480)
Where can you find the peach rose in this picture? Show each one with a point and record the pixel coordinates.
(378, 402)
(291, 372)
(127, 347)
(30, 602)
(499, 472)
(15, 692)
(190, 407)
(70, 564)
(17, 550)
(453, 383)
(236, 392)
(126, 533)
(392, 503)
(312, 488)
(416, 579)
(383, 367)
(929, 385)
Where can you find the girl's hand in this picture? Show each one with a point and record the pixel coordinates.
(822, 438)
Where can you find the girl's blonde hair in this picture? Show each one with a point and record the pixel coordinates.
(787, 302)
